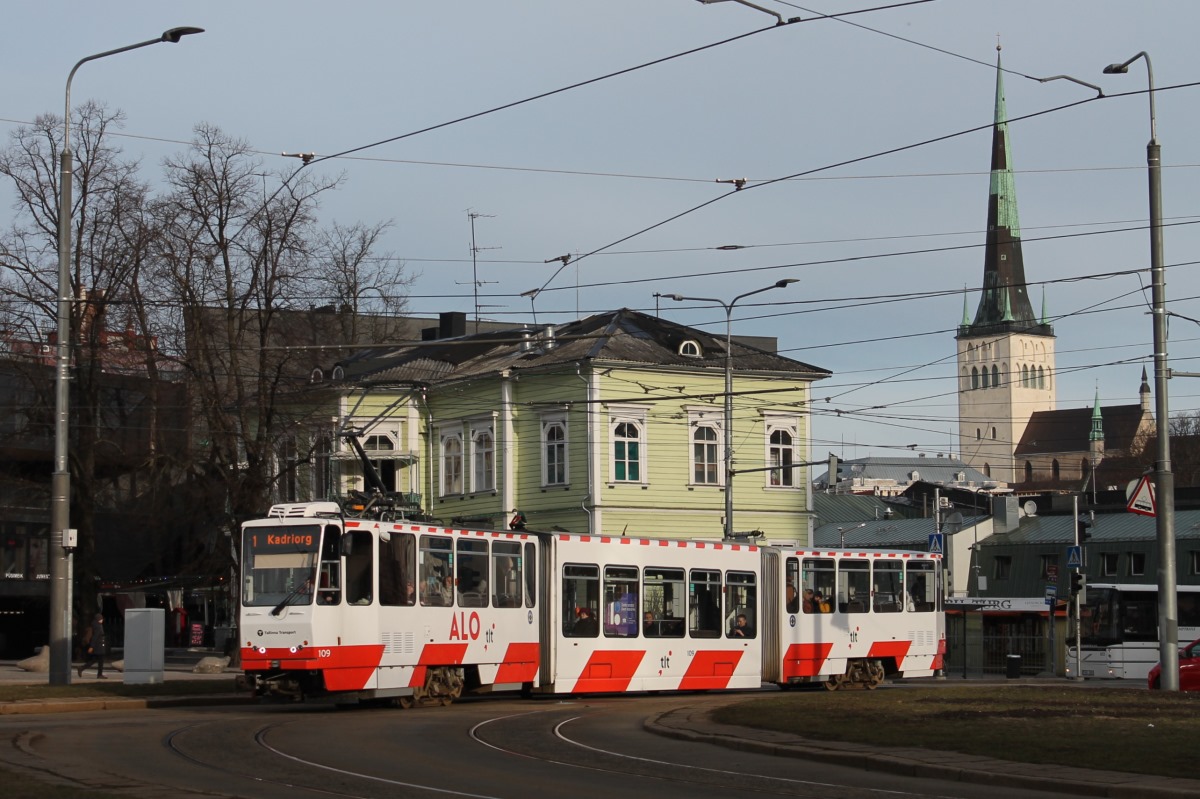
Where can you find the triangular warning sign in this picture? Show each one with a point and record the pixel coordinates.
(1141, 500)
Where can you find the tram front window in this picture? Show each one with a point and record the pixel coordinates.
(279, 565)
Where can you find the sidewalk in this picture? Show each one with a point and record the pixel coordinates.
(178, 665)
(694, 724)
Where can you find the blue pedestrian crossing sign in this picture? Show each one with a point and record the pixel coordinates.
(1074, 557)
(935, 543)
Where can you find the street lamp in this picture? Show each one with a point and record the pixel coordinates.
(728, 306)
(60, 482)
(1164, 480)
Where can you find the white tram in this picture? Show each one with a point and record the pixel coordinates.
(350, 609)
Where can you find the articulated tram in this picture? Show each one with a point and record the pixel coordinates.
(350, 609)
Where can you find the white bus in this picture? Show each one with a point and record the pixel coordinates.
(1119, 624)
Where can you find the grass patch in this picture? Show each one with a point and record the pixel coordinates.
(1117, 729)
(22, 786)
(116, 688)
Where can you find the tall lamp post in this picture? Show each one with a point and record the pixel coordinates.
(728, 306)
(61, 538)
(1164, 480)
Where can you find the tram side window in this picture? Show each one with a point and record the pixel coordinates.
(741, 600)
(922, 586)
(663, 595)
(819, 581)
(329, 577)
(581, 600)
(620, 602)
(436, 577)
(854, 586)
(704, 603)
(506, 574)
(888, 593)
(471, 572)
(397, 558)
(359, 568)
(531, 567)
(791, 588)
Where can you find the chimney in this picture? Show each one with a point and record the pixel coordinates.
(452, 324)
(548, 338)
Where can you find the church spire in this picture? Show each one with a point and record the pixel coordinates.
(1097, 433)
(1004, 304)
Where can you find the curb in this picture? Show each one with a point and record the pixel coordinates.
(680, 725)
(92, 704)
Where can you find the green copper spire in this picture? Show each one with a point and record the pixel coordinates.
(1007, 304)
(1097, 433)
(1043, 320)
(1004, 186)
(966, 313)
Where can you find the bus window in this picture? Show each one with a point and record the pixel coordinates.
(581, 600)
(663, 595)
(887, 595)
(397, 583)
(471, 572)
(741, 603)
(620, 602)
(854, 586)
(436, 578)
(922, 586)
(359, 568)
(819, 576)
(531, 566)
(506, 574)
(704, 604)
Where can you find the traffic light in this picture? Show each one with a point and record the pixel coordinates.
(1078, 583)
(1082, 524)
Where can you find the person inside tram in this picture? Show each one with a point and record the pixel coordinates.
(821, 603)
(810, 604)
(585, 624)
(741, 627)
(793, 603)
(444, 594)
(648, 623)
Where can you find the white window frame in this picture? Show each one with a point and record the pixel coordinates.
(788, 423)
(711, 418)
(447, 435)
(485, 480)
(632, 415)
(550, 422)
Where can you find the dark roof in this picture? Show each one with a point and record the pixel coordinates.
(617, 337)
(1069, 430)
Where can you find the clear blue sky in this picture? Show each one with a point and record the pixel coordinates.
(577, 171)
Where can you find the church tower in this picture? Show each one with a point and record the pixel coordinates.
(1006, 353)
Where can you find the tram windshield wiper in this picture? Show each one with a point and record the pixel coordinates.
(287, 600)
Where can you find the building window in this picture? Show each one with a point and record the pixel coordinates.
(1137, 564)
(1108, 564)
(1196, 561)
(705, 469)
(978, 434)
(627, 452)
(1001, 567)
(322, 472)
(1028, 472)
(987, 470)
(554, 451)
(974, 377)
(381, 452)
(996, 376)
(993, 434)
(483, 460)
(689, 349)
(781, 452)
(1041, 377)
(1055, 471)
(452, 464)
(1049, 567)
(983, 377)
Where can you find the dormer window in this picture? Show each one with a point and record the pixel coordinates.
(689, 349)
(914, 475)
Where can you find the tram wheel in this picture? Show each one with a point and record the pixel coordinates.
(875, 675)
(835, 682)
(406, 702)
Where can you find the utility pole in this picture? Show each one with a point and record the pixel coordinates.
(475, 282)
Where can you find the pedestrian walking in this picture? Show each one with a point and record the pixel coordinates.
(95, 643)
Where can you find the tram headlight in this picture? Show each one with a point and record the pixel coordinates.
(262, 650)
(294, 649)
